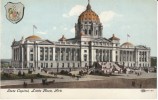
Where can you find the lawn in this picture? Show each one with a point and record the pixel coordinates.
(6, 76)
(107, 83)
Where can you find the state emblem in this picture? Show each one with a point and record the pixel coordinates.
(14, 11)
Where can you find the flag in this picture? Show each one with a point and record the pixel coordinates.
(34, 27)
(128, 35)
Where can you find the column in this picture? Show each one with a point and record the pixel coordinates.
(102, 55)
(74, 55)
(125, 53)
(22, 52)
(54, 53)
(43, 55)
(131, 56)
(105, 55)
(109, 56)
(98, 55)
(49, 49)
(70, 54)
(59, 54)
(147, 56)
(64, 54)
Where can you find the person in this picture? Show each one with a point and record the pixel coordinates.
(77, 77)
(133, 83)
(140, 85)
(31, 80)
(25, 84)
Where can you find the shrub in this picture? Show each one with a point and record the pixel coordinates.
(66, 72)
(62, 72)
(19, 73)
(5, 75)
(38, 75)
(23, 74)
(81, 72)
(29, 72)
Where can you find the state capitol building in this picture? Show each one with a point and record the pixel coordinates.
(88, 49)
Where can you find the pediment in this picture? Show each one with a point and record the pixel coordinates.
(46, 42)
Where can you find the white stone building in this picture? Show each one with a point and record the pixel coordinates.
(87, 47)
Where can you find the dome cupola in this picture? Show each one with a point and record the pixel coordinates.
(88, 15)
(88, 25)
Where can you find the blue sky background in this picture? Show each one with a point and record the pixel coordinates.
(54, 18)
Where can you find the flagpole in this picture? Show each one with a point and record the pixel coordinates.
(33, 30)
(127, 38)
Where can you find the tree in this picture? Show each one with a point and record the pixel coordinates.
(19, 73)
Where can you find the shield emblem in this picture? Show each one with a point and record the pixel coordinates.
(14, 11)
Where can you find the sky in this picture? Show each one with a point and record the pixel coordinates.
(54, 18)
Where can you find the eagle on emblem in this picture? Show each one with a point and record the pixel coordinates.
(14, 12)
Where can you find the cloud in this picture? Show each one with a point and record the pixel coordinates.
(65, 28)
(107, 16)
(72, 30)
(42, 32)
(65, 15)
(126, 27)
(75, 11)
(54, 28)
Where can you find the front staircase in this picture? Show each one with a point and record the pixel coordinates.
(106, 67)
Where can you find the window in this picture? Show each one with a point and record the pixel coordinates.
(78, 65)
(51, 57)
(31, 49)
(41, 49)
(62, 57)
(85, 64)
(41, 57)
(31, 65)
(116, 58)
(68, 65)
(86, 32)
(51, 64)
(31, 57)
(46, 65)
(85, 51)
(63, 65)
(89, 32)
(73, 64)
(41, 65)
(56, 56)
(46, 57)
(67, 56)
(96, 32)
(85, 57)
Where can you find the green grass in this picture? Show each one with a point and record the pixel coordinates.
(5, 76)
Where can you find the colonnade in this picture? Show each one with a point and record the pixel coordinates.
(67, 54)
(103, 55)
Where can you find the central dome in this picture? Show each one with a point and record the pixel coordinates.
(88, 15)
